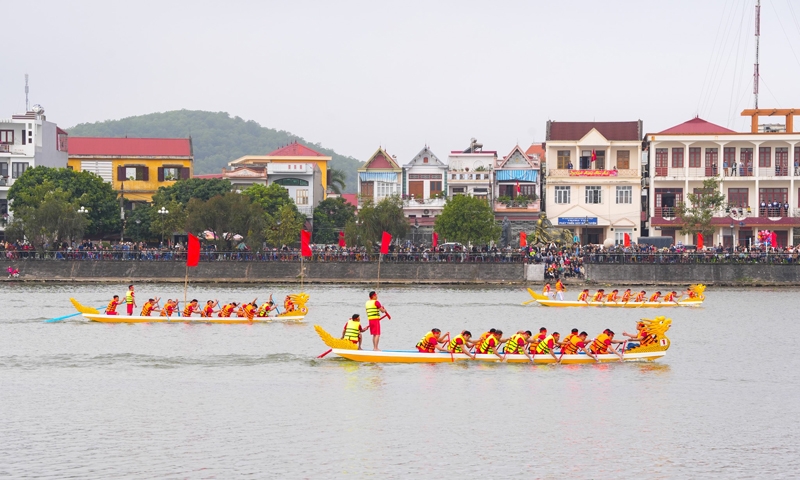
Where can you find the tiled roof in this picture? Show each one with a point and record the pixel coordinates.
(209, 176)
(695, 126)
(351, 198)
(132, 147)
(535, 149)
(295, 149)
(613, 131)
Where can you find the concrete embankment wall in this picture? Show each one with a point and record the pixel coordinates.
(711, 274)
(278, 272)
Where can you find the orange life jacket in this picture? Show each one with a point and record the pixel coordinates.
(112, 306)
(226, 310)
(654, 297)
(640, 297)
(612, 297)
(208, 310)
(546, 289)
(570, 345)
(168, 310)
(560, 286)
(583, 296)
(670, 297)
(147, 309)
(597, 297)
(187, 311)
(428, 343)
(646, 338)
(626, 296)
(599, 344)
(250, 311)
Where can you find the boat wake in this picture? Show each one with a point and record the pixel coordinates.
(128, 360)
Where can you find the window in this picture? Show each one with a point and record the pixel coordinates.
(623, 159)
(3, 207)
(436, 187)
(764, 154)
(712, 159)
(562, 195)
(6, 136)
(139, 173)
(746, 162)
(770, 195)
(599, 162)
(387, 189)
(527, 190)
(624, 194)
(662, 156)
(458, 190)
(3, 169)
(738, 197)
(291, 182)
(563, 159)
(301, 197)
(728, 157)
(619, 235)
(425, 160)
(782, 161)
(677, 157)
(594, 194)
(367, 189)
(171, 173)
(694, 157)
(61, 142)
(18, 168)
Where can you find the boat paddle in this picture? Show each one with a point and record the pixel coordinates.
(64, 317)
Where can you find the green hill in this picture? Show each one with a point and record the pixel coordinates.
(217, 138)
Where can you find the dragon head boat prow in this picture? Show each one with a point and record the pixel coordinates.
(298, 305)
(338, 343)
(697, 290)
(655, 334)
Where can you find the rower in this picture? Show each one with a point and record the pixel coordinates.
(538, 338)
(584, 296)
(485, 335)
(568, 338)
(250, 310)
(642, 335)
(430, 342)
(548, 345)
(169, 308)
(288, 305)
(227, 310)
(191, 308)
(243, 310)
(352, 330)
(670, 297)
(604, 342)
(575, 344)
(640, 297)
(690, 293)
(150, 307)
(265, 308)
(612, 297)
(491, 344)
(208, 309)
(626, 296)
(546, 290)
(560, 289)
(461, 344)
(516, 344)
(111, 308)
(654, 297)
(598, 297)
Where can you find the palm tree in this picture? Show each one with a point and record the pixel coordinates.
(336, 180)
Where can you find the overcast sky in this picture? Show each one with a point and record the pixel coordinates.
(355, 75)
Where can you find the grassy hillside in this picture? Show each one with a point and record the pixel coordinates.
(217, 137)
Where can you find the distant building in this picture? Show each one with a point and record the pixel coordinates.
(135, 167)
(424, 187)
(594, 179)
(380, 177)
(758, 172)
(469, 172)
(26, 141)
(516, 180)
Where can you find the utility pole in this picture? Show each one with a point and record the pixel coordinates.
(758, 39)
(122, 211)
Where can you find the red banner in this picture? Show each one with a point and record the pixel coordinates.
(523, 239)
(592, 173)
(305, 240)
(385, 241)
(193, 251)
(626, 240)
(435, 239)
(341, 240)
(699, 241)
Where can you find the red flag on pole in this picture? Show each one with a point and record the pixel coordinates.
(386, 239)
(518, 189)
(699, 241)
(341, 240)
(435, 239)
(626, 241)
(523, 239)
(193, 252)
(594, 155)
(774, 242)
(305, 239)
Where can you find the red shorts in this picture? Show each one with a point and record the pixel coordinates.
(422, 350)
(130, 309)
(111, 313)
(375, 327)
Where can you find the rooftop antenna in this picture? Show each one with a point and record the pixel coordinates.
(27, 103)
(758, 38)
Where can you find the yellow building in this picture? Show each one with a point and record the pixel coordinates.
(135, 167)
(294, 153)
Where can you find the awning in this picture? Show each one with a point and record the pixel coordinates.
(521, 175)
(378, 177)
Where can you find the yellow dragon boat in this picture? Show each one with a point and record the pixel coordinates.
(298, 314)
(652, 352)
(695, 301)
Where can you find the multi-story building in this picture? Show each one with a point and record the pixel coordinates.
(469, 172)
(135, 167)
(516, 186)
(594, 179)
(27, 141)
(424, 187)
(380, 177)
(756, 170)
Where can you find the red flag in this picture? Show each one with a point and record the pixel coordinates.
(518, 190)
(385, 241)
(341, 240)
(699, 241)
(305, 239)
(435, 239)
(523, 239)
(193, 252)
(594, 155)
(626, 242)
(774, 242)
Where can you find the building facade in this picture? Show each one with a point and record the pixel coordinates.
(380, 177)
(469, 172)
(26, 141)
(594, 179)
(135, 167)
(758, 172)
(516, 186)
(424, 187)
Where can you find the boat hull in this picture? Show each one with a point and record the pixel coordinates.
(550, 302)
(175, 319)
(409, 356)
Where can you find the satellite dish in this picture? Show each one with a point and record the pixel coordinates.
(38, 109)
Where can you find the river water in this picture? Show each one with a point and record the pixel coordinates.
(88, 400)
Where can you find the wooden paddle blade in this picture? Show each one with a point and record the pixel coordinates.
(82, 308)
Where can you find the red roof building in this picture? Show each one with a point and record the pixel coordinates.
(696, 126)
(611, 131)
(295, 149)
(137, 147)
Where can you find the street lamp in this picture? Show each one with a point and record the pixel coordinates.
(83, 210)
(163, 211)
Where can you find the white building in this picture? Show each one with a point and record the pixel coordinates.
(303, 182)
(379, 178)
(469, 172)
(594, 179)
(27, 141)
(424, 187)
(758, 172)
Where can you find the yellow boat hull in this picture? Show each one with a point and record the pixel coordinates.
(549, 302)
(176, 319)
(408, 356)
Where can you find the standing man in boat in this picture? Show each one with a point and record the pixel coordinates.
(130, 300)
(546, 291)
(560, 289)
(374, 310)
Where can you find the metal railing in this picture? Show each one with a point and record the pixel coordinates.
(670, 258)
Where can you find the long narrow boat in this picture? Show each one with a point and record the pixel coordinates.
(695, 301)
(93, 315)
(651, 352)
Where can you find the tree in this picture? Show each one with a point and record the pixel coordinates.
(81, 188)
(385, 216)
(227, 216)
(336, 180)
(467, 220)
(695, 215)
(284, 228)
(184, 190)
(53, 220)
(165, 224)
(331, 217)
(271, 198)
(138, 223)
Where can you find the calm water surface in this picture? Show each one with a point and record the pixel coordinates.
(219, 401)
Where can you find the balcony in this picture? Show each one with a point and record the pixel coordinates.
(468, 177)
(511, 206)
(563, 172)
(4, 148)
(424, 202)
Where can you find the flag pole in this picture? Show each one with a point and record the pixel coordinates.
(380, 259)
(186, 284)
(301, 271)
